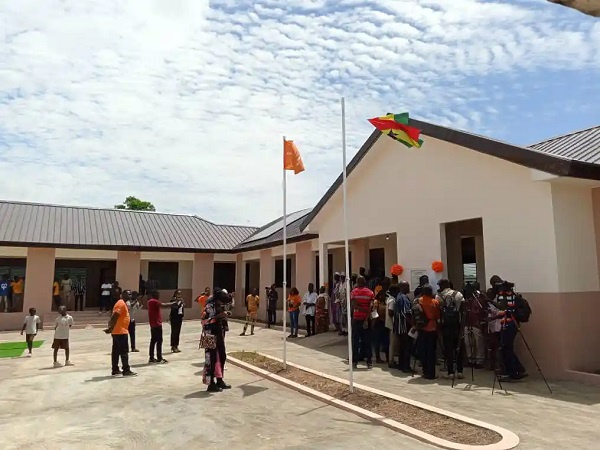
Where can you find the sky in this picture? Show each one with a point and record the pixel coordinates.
(184, 103)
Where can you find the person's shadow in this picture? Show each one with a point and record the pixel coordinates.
(198, 394)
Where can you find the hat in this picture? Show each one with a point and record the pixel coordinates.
(224, 291)
(337, 273)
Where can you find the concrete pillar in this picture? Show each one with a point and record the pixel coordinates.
(144, 268)
(323, 263)
(128, 270)
(39, 276)
(184, 277)
(480, 258)
(360, 254)
(267, 278)
(240, 277)
(304, 263)
(202, 273)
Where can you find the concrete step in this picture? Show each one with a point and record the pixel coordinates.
(81, 319)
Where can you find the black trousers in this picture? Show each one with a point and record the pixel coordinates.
(381, 338)
(361, 341)
(512, 364)
(176, 323)
(156, 340)
(405, 351)
(427, 352)
(310, 325)
(220, 350)
(132, 333)
(120, 349)
(271, 316)
(451, 339)
(79, 302)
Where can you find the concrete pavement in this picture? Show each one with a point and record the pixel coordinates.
(165, 406)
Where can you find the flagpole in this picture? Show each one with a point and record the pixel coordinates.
(284, 259)
(347, 249)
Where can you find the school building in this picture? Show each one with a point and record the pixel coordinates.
(483, 207)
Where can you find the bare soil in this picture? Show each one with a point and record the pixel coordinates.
(429, 422)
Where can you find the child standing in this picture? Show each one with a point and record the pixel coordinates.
(62, 327)
(31, 326)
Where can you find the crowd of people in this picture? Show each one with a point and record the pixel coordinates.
(11, 293)
(402, 329)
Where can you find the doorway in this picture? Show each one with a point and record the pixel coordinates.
(224, 276)
(465, 256)
(252, 280)
(377, 262)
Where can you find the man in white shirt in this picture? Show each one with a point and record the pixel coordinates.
(62, 327)
(105, 296)
(309, 302)
(31, 325)
(66, 287)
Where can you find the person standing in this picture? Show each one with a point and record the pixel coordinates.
(202, 298)
(31, 326)
(362, 300)
(343, 302)
(309, 301)
(452, 322)
(272, 299)
(214, 323)
(56, 294)
(156, 329)
(17, 292)
(475, 323)
(252, 302)
(105, 296)
(428, 334)
(79, 289)
(66, 291)
(335, 306)
(4, 291)
(62, 328)
(322, 311)
(294, 301)
(176, 319)
(133, 306)
(400, 341)
(118, 327)
(381, 333)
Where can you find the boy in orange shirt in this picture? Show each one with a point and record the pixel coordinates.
(294, 302)
(118, 327)
(252, 302)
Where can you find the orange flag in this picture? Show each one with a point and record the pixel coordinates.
(291, 157)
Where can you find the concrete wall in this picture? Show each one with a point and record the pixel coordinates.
(128, 270)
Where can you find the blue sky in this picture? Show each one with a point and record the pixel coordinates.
(184, 103)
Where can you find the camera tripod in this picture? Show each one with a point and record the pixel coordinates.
(520, 332)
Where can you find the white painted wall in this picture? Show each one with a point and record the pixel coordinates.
(413, 191)
(575, 238)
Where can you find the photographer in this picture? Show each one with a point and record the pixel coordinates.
(475, 323)
(510, 312)
(272, 299)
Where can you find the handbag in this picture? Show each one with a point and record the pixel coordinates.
(207, 341)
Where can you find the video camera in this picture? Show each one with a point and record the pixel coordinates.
(504, 286)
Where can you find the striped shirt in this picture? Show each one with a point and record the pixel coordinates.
(362, 298)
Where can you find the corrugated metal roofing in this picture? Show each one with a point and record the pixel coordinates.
(67, 226)
(581, 146)
(293, 232)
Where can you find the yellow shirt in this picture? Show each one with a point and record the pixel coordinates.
(17, 286)
(252, 302)
(56, 288)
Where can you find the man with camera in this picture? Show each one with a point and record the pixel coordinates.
(272, 299)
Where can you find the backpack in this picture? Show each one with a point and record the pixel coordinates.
(450, 314)
(419, 318)
(522, 309)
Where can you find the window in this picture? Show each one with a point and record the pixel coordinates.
(279, 273)
(166, 274)
(224, 276)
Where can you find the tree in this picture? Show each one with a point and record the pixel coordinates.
(135, 204)
(589, 7)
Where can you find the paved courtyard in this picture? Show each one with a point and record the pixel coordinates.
(165, 406)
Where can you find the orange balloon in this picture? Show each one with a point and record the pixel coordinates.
(397, 270)
(437, 266)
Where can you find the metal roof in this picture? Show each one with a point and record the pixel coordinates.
(294, 234)
(579, 164)
(581, 145)
(32, 224)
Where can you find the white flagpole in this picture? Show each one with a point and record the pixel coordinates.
(347, 249)
(284, 260)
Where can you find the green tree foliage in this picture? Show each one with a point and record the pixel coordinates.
(135, 204)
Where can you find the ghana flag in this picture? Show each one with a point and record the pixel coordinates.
(396, 126)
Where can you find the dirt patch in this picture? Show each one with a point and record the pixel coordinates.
(429, 422)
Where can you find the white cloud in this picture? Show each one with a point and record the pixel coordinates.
(185, 103)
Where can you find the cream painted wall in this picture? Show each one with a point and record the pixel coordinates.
(71, 253)
(167, 256)
(278, 251)
(443, 182)
(225, 257)
(185, 275)
(13, 252)
(575, 238)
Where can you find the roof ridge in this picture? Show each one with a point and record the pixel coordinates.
(561, 136)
